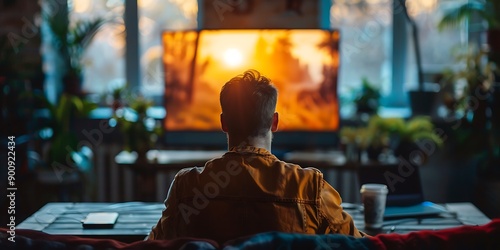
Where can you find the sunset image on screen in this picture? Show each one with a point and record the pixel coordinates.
(302, 64)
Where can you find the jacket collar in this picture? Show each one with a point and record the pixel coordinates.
(250, 149)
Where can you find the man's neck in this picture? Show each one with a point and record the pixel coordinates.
(258, 142)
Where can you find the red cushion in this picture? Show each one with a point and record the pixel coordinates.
(465, 237)
(74, 241)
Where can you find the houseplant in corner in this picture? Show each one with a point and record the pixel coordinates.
(482, 76)
(473, 97)
(477, 132)
(489, 12)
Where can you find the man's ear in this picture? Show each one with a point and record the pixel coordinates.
(274, 126)
(222, 123)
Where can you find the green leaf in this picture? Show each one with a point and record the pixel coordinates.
(72, 40)
(427, 135)
(87, 107)
(454, 17)
(78, 104)
(62, 107)
(62, 144)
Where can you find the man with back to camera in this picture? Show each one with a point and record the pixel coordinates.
(248, 190)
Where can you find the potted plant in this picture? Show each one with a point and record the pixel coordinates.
(487, 10)
(370, 139)
(421, 100)
(71, 40)
(477, 103)
(65, 163)
(118, 95)
(375, 139)
(63, 141)
(405, 135)
(367, 100)
(349, 139)
(487, 137)
(139, 129)
(474, 96)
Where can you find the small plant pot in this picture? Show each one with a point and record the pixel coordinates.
(373, 153)
(352, 153)
(422, 102)
(410, 152)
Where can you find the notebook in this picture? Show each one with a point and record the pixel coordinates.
(405, 197)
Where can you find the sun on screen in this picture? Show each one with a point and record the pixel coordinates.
(233, 57)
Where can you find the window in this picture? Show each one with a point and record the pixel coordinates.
(154, 17)
(104, 59)
(365, 45)
(436, 46)
(367, 48)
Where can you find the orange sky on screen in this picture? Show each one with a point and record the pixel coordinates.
(294, 60)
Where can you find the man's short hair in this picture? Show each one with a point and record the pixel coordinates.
(248, 104)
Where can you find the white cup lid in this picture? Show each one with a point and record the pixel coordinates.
(373, 187)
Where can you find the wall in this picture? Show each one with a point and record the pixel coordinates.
(18, 23)
(20, 71)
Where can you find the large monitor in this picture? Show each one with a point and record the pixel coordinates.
(302, 63)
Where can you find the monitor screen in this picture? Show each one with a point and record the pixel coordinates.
(302, 64)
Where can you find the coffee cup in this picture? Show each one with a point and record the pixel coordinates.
(373, 197)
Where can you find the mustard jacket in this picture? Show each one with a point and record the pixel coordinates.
(246, 191)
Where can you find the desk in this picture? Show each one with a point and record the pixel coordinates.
(134, 222)
(459, 214)
(136, 219)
